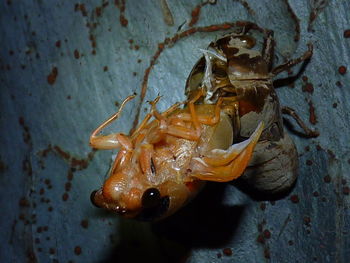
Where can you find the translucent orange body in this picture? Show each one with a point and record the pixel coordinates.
(166, 161)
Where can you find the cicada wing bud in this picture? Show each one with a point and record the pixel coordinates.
(226, 165)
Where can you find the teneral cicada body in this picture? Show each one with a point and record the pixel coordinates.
(232, 67)
(165, 162)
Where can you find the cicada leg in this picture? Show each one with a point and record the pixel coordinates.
(307, 55)
(154, 112)
(146, 119)
(110, 141)
(308, 132)
(202, 118)
(181, 131)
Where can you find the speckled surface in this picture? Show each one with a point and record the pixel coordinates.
(63, 69)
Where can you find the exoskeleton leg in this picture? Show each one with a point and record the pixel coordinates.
(293, 62)
(308, 132)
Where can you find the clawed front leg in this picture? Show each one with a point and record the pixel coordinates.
(307, 55)
(308, 132)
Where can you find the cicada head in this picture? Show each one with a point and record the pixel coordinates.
(145, 184)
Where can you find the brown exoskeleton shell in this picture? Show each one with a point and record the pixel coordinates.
(232, 68)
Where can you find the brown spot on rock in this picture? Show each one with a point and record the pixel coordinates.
(307, 220)
(327, 179)
(260, 239)
(267, 254)
(123, 21)
(23, 202)
(267, 233)
(76, 54)
(312, 118)
(51, 78)
(347, 33)
(77, 250)
(3, 167)
(308, 87)
(65, 197)
(339, 84)
(342, 70)
(98, 11)
(331, 154)
(294, 199)
(84, 223)
(67, 186)
(227, 251)
(308, 162)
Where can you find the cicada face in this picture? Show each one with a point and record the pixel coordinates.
(148, 183)
(147, 204)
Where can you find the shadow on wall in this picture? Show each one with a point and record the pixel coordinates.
(204, 223)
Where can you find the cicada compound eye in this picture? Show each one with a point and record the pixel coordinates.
(93, 198)
(150, 198)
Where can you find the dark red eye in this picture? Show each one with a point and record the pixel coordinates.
(92, 199)
(150, 198)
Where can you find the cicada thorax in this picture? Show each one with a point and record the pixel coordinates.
(241, 75)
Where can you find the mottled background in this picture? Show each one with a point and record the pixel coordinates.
(65, 66)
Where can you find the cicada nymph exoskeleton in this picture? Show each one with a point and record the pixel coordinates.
(234, 68)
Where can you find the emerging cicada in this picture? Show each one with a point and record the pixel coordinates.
(166, 161)
(234, 67)
(231, 119)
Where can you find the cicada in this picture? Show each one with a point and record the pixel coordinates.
(165, 162)
(231, 124)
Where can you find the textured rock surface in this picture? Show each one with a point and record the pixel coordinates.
(63, 69)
